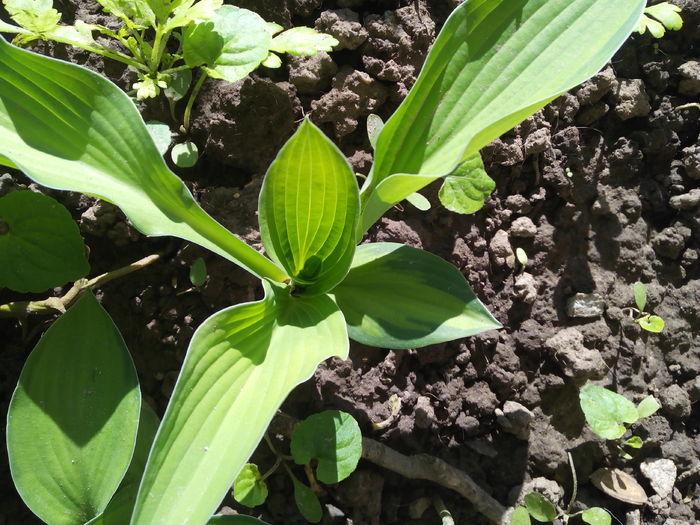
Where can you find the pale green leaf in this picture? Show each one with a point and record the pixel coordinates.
(160, 133)
(540, 507)
(190, 11)
(164, 8)
(640, 295)
(466, 188)
(374, 128)
(138, 11)
(420, 202)
(78, 35)
(230, 45)
(634, 442)
(400, 297)
(302, 41)
(652, 323)
(648, 406)
(40, 244)
(606, 410)
(41, 23)
(9, 28)
(185, 155)
(307, 502)
(241, 364)
(309, 210)
(71, 129)
(520, 516)
(250, 489)
(72, 421)
(272, 61)
(521, 255)
(495, 63)
(331, 437)
(667, 14)
(596, 516)
(4, 161)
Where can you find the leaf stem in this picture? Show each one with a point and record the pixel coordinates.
(193, 97)
(574, 479)
(442, 510)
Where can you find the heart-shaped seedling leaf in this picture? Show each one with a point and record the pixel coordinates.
(160, 133)
(520, 516)
(466, 188)
(640, 295)
(596, 516)
(648, 406)
(634, 442)
(185, 155)
(331, 437)
(40, 244)
(250, 489)
(198, 272)
(540, 507)
(652, 323)
(307, 502)
(606, 410)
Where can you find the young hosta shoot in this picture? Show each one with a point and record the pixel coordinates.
(659, 18)
(647, 321)
(40, 244)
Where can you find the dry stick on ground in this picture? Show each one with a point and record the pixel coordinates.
(418, 466)
(22, 309)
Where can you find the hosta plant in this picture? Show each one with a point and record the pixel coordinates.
(495, 63)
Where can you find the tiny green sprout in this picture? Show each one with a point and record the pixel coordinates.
(647, 321)
(541, 509)
(521, 255)
(659, 18)
(198, 272)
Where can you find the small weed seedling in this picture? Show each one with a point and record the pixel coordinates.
(647, 321)
(331, 440)
(659, 18)
(607, 413)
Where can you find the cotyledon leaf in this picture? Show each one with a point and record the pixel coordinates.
(69, 128)
(72, 421)
(241, 364)
(309, 210)
(400, 297)
(495, 63)
(605, 410)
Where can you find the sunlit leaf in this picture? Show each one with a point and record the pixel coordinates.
(302, 41)
(540, 507)
(640, 295)
(648, 406)
(250, 489)
(596, 516)
(465, 189)
(160, 133)
(520, 516)
(185, 154)
(606, 410)
(652, 323)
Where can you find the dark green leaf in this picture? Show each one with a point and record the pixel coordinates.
(250, 489)
(40, 244)
(73, 419)
(334, 439)
(185, 155)
(179, 85)
(540, 507)
(307, 502)
(605, 410)
(198, 272)
(465, 190)
(400, 297)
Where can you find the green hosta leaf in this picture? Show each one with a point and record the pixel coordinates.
(640, 295)
(185, 155)
(71, 129)
(40, 244)
(667, 14)
(465, 190)
(302, 41)
(118, 512)
(420, 202)
(241, 364)
(198, 272)
(596, 516)
(605, 410)
(230, 45)
(235, 520)
(540, 507)
(494, 64)
(189, 11)
(73, 418)
(179, 85)
(652, 323)
(331, 437)
(374, 128)
(520, 516)
(307, 502)
(160, 133)
(648, 406)
(309, 210)
(634, 442)
(401, 297)
(250, 489)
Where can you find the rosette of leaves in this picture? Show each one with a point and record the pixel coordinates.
(71, 129)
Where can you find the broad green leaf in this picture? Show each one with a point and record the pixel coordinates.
(78, 35)
(640, 295)
(273, 28)
(652, 323)
(520, 516)
(198, 272)
(250, 489)
(596, 516)
(235, 520)
(307, 502)
(420, 202)
(634, 442)
(495, 63)
(465, 189)
(331, 437)
(302, 41)
(648, 406)
(189, 11)
(605, 410)
(73, 418)
(374, 128)
(241, 364)
(40, 244)
(540, 507)
(656, 28)
(71, 129)
(185, 155)
(120, 507)
(160, 133)
(164, 8)
(400, 297)
(36, 16)
(229, 46)
(179, 85)
(667, 14)
(309, 210)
